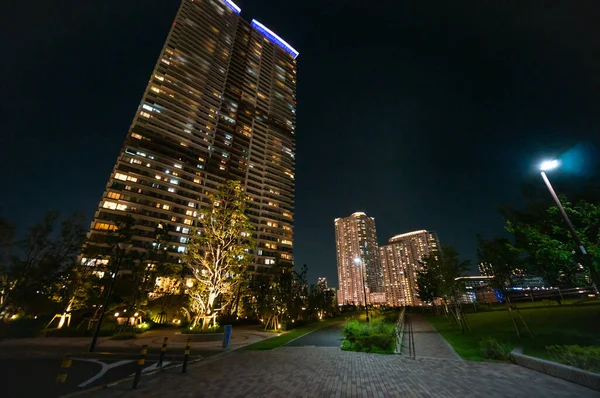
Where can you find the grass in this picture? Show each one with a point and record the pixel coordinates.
(549, 325)
(286, 337)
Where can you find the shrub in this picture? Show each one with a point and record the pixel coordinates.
(22, 327)
(124, 336)
(587, 358)
(491, 349)
(199, 330)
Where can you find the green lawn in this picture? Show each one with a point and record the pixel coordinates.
(286, 337)
(550, 326)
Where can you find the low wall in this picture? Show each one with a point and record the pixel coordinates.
(565, 372)
(399, 331)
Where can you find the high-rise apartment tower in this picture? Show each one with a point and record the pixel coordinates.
(220, 104)
(357, 259)
(400, 262)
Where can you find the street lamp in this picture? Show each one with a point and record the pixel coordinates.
(586, 259)
(358, 262)
(122, 247)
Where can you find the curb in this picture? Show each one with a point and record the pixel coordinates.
(129, 378)
(209, 359)
(565, 372)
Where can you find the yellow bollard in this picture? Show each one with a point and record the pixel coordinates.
(64, 368)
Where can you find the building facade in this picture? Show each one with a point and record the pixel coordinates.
(359, 268)
(220, 105)
(400, 262)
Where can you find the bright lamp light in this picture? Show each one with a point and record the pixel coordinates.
(549, 165)
(357, 260)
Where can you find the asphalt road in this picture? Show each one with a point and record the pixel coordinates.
(330, 336)
(33, 374)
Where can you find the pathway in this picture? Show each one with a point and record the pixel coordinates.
(330, 336)
(428, 342)
(330, 372)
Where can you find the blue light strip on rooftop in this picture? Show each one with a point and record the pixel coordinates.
(274, 38)
(233, 6)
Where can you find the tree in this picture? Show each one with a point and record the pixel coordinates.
(7, 239)
(541, 233)
(428, 283)
(441, 269)
(502, 259)
(218, 250)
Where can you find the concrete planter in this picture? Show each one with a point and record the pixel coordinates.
(565, 372)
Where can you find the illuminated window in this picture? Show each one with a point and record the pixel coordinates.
(189, 212)
(185, 230)
(197, 180)
(271, 246)
(181, 249)
(135, 135)
(269, 261)
(109, 205)
(286, 242)
(165, 61)
(166, 207)
(145, 114)
(174, 182)
(114, 195)
(287, 228)
(173, 190)
(287, 214)
(174, 219)
(158, 177)
(105, 227)
(187, 221)
(122, 177)
(159, 77)
(191, 204)
(136, 161)
(121, 207)
(155, 89)
(286, 256)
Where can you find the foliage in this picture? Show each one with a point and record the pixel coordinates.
(44, 275)
(541, 233)
(124, 336)
(491, 349)
(218, 251)
(587, 358)
(375, 336)
(199, 330)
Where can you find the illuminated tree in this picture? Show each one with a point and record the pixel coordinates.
(217, 251)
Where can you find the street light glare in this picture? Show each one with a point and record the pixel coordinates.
(549, 165)
(357, 260)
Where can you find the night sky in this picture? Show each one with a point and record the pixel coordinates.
(425, 115)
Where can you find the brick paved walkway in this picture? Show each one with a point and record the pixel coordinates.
(329, 372)
(428, 342)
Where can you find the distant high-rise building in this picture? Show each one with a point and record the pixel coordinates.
(400, 261)
(220, 105)
(356, 238)
(322, 284)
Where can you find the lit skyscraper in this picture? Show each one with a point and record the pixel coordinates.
(400, 261)
(220, 104)
(356, 237)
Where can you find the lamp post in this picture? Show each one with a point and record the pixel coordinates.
(122, 247)
(586, 259)
(358, 262)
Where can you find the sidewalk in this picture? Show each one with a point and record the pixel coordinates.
(329, 372)
(428, 342)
